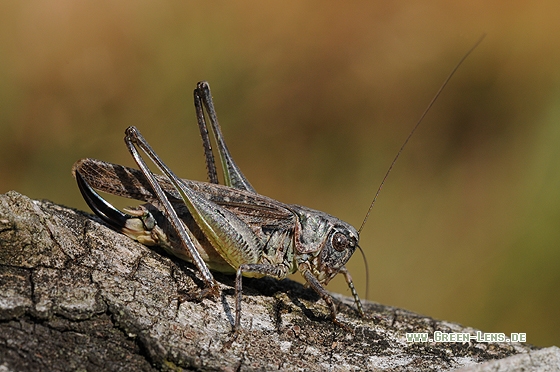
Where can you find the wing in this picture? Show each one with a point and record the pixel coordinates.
(261, 213)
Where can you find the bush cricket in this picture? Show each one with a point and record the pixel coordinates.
(228, 228)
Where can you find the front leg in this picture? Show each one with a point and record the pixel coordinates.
(325, 295)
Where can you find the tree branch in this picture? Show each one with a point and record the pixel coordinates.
(76, 295)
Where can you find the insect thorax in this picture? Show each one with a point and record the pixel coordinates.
(323, 243)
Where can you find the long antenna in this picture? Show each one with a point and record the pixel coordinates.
(416, 126)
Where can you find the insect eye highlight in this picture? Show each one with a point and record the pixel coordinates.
(340, 241)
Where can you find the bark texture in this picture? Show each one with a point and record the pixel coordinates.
(75, 295)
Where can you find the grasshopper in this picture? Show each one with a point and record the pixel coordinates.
(228, 228)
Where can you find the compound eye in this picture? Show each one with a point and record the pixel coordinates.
(340, 241)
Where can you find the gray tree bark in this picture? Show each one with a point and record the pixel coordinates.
(75, 295)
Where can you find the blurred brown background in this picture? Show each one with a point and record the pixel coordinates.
(315, 98)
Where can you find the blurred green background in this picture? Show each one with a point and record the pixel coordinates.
(315, 99)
